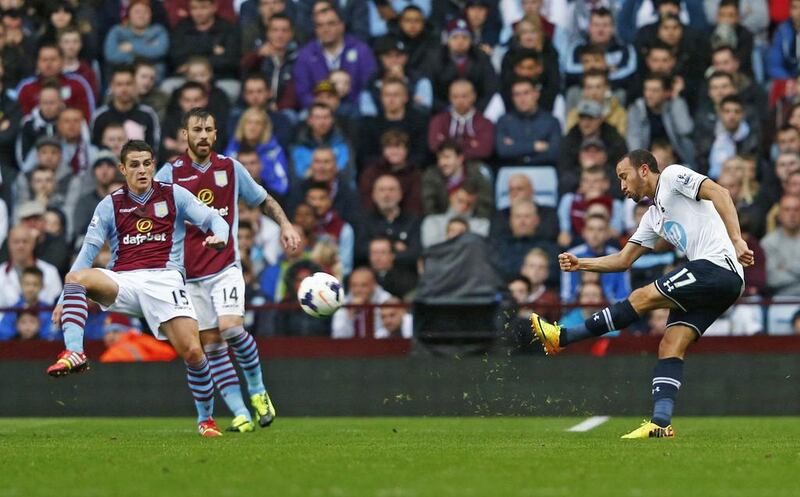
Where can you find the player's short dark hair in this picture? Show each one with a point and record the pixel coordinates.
(33, 271)
(731, 99)
(198, 112)
(450, 144)
(640, 157)
(134, 146)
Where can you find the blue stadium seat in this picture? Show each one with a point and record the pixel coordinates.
(544, 179)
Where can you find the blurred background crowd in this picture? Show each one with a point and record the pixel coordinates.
(431, 151)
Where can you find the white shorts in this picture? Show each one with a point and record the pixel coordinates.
(219, 295)
(155, 295)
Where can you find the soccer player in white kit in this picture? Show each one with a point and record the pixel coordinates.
(697, 216)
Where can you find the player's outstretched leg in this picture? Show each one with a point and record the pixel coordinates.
(554, 337)
(246, 352)
(227, 382)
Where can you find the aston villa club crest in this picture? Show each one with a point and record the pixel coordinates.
(220, 178)
(160, 209)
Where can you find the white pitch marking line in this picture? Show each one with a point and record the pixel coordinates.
(589, 423)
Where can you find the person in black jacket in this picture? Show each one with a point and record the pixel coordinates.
(460, 59)
(205, 34)
(419, 37)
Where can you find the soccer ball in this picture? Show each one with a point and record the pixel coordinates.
(320, 295)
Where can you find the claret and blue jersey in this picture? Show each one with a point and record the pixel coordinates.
(219, 184)
(147, 231)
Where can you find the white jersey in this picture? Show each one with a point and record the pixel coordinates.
(692, 225)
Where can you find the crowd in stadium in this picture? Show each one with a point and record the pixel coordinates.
(400, 135)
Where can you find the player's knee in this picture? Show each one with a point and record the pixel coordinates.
(76, 278)
(194, 354)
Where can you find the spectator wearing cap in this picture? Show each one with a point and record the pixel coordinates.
(106, 177)
(393, 63)
(19, 254)
(620, 56)
(354, 15)
(272, 52)
(50, 66)
(783, 59)
(395, 114)
(451, 172)
(527, 135)
(658, 115)
(464, 123)
(138, 38)
(384, 14)
(418, 35)
(205, 34)
(320, 130)
(327, 92)
(603, 136)
(395, 161)
(330, 50)
(460, 59)
(391, 220)
(140, 121)
(595, 86)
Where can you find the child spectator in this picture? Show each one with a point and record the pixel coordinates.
(33, 319)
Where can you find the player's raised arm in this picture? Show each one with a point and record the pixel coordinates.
(613, 263)
(202, 216)
(719, 196)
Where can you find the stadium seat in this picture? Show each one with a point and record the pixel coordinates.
(544, 179)
(779, 317)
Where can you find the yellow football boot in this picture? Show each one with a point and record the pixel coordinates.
(548, 334)
(651, 430)
(263, 409)
(241, 424)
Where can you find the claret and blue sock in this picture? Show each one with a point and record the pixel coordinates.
(615, 317)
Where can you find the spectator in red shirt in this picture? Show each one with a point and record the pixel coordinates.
(463, 123)
(75, 90)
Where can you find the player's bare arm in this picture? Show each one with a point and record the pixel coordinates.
(719, 196)
(613, 263)
(290, 239)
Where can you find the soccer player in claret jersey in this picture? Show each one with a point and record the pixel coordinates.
(697, 216)
(216, 284)
(144, 223)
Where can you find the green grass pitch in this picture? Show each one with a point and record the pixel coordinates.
(398, 457)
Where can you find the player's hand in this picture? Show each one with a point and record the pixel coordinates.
(290, 239)
(568, 262)
(743, 253)
(56, 317)
(214, 242)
